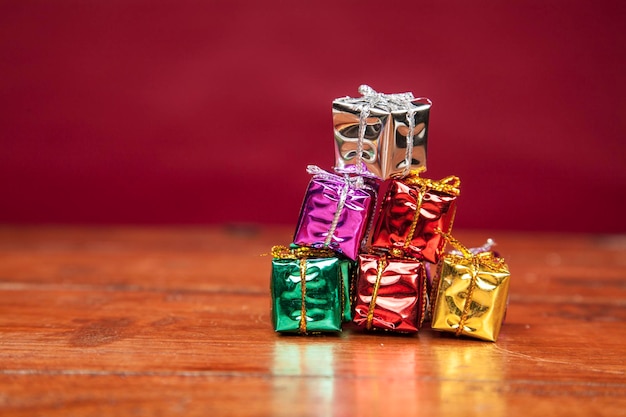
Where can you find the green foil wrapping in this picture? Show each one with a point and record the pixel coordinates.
(310, 295)
(348, 271)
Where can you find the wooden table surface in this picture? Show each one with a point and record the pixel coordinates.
(175, 321)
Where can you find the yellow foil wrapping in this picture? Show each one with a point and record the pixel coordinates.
(471, 294)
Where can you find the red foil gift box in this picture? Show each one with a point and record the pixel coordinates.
(391, 294)
(412, 209)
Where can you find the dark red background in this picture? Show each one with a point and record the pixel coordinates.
(208, 111)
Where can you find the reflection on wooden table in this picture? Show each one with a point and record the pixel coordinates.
(175, 321)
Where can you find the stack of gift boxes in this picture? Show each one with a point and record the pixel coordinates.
(369, 242)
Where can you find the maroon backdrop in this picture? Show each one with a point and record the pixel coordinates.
(209, 111)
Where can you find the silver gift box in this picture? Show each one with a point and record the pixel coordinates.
(372, 133)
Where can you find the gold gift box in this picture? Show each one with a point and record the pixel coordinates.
(471, 295)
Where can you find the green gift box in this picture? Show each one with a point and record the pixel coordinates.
(310, 290)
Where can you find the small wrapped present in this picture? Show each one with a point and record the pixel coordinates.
(336, 212)
(411, 211)
(390, 294)
(310, 290)
(385, 134)
(471, 293)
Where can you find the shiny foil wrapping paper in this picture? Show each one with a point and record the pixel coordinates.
(310, 295)
(411, 211)
(335, 214)
(375, 131)
(471, 294)
(347, 269)
(390, 294)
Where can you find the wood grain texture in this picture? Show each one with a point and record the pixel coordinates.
(175, 321)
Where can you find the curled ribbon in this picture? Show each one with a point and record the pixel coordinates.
(355, 181)
(351, 170)
(387, 102)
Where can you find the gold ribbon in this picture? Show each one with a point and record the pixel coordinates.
(484, 258)
(470, 292)
(418, 206)
(449, 185)
(303, 299)
(380, 266)
(303, 252)
(457, 245)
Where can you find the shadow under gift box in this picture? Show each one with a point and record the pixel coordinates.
(390, 294)
(310, 295)
(385, 133)
(471, 295)
(411, 211)
(336, 213)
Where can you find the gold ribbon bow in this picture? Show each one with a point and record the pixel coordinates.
(304, 252)
(449, 185)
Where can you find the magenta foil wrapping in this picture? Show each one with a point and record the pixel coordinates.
(323, 213)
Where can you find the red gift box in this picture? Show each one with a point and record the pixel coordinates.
(412, 209)
(390, 294)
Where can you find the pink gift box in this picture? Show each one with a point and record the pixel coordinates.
(336, 212)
